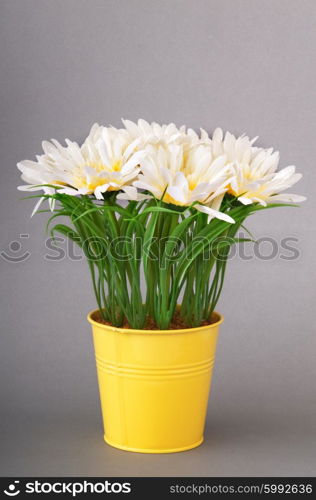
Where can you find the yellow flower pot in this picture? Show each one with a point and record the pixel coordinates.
(154, 385)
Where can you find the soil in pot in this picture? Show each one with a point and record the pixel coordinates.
(177, 323)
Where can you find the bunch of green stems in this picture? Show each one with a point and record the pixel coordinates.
(147, 258)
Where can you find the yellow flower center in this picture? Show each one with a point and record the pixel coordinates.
(169, 199)
(80, 180)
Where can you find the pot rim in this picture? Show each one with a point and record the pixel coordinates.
(154, 332)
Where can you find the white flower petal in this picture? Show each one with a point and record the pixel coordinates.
(99, 190)
(287, 198)
(134, 160)
(214, 214)
(177, 194)
(131, 193)
(40, 201)
(244, 200)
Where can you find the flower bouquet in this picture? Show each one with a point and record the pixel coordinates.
(156, 209)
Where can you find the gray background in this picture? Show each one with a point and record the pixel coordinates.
(248, 66)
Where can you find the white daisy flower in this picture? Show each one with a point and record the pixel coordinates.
(234, 148)
(183, 178)
(153, 133)
(256, 179)
(106, 161)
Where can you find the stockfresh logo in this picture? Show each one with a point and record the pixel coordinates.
(12, 490)
(70, 488)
